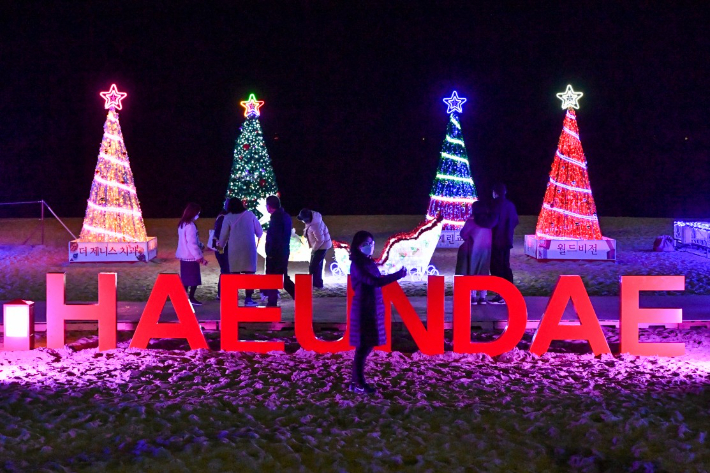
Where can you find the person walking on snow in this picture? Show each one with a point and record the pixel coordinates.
(278, 240)
(316, 232)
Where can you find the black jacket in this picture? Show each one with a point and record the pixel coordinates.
(507, 216)
(278, 235)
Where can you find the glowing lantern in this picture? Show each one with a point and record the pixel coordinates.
(19, 324)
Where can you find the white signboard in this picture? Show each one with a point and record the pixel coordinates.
(102, 252)
(542, 248)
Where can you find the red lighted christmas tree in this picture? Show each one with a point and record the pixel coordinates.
(568, 210)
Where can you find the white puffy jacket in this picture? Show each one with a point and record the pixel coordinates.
(188, 248)
(317, 234)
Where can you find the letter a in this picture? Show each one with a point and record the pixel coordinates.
(149, 326)
(569, 287)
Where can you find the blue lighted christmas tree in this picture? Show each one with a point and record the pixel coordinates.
(453, 191)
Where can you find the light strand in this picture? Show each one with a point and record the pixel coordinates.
(113, 137)
(572, 188)
(455, 200)
(120, 210)
(570, 213)
(114, 160)
(455, 122)
(454, 141)
(456, 158)
(570, 132)
(454, 178)
(101, 231)
(114, 184)
(570, 160)
(553, 237)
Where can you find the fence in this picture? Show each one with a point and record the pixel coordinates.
(43, 204)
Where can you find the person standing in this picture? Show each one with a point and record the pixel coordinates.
(367, 311)
(507, 219)
(189, 251)
(316, 232)
(278, 239)
(223, 255)
(474, 255)
(240, 231)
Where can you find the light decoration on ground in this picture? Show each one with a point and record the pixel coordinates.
(568, 226)
(412, 250)
(113, 213)
(252, 177)
(453, 190)
(113, 228)
(18, 325)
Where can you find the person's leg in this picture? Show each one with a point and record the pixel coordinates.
(289, 286)
(248, 292)
(223, 260)
(506, 264)
(497, 268)
(271, 294)
(358, 376)
(316, 267)
(192, 292)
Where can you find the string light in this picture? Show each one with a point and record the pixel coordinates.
(251, 106)
(454, 103)
(113, 97)
(453, 191)
(113, 212)
(568, 210)
(570, 98)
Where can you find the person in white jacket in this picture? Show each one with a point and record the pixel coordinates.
(316, 232)
(189, 251)
(240, 230)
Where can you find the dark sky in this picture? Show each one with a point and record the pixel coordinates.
(354, 117)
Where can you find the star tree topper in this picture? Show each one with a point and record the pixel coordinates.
(251, 106)
(569, 98)
(113, 97)
(454, 103)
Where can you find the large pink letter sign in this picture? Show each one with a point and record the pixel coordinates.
(104, 312)
(149, 326)
(631, 314)
(232, 314)
(569, 287)
(517, 314)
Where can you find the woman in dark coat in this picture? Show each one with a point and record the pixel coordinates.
(474, 255)
(367, 312)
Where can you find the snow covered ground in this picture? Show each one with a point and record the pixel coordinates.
(23, 268)
(168, 409)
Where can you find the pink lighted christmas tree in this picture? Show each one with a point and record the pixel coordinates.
(568, 210)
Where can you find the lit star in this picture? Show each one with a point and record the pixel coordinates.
(454, 103)
(113, 97)
(569, 98)
(251, 106)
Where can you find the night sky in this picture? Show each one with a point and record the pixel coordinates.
(353, 115)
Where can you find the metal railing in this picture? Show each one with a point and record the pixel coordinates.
(43, 204)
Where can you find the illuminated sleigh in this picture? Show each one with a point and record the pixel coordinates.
(412, 250)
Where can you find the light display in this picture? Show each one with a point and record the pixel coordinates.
(113, 97)
(251, 106)
(454, 103)
(569, 98)
(453, 190)
(252, 178)
(412, 250)
(113, 213)
(568, 210)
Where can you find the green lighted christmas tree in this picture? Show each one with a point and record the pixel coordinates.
(252, 178)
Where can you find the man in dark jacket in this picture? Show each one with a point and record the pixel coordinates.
(502, 242)
(278, 237)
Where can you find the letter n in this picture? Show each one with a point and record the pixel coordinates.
(569, 287)
(149, 326)
(517, 314)
(104, 312)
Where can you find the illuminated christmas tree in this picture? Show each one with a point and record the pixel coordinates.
(453, 190)
(252, 178)
(568, 210)
(113, 213)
